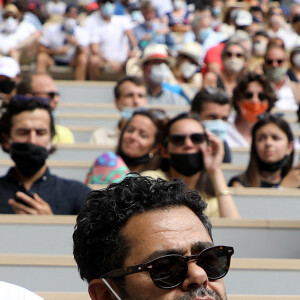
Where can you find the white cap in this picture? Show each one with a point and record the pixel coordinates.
(155, 51)
(9, 67)
(243, 18)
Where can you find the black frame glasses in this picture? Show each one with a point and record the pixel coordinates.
(261, 96)
(236, 54)
(24, 98)
(51, 95)
(196, 138)
(271, 61)
(170, 271)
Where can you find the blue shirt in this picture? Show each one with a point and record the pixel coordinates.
(65, 197)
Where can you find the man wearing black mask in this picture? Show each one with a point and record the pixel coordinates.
(27, 128)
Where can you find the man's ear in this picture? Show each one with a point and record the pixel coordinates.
(117, 103)
(99, 291)
(5, 143)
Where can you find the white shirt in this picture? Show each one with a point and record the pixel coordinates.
(112, 39)
(54, 38)
(10, 291)
(234, 139)
(10, 41)
(286, 99)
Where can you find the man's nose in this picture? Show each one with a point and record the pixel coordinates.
(196, 277)
(32, 138)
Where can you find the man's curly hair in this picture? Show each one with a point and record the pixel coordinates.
(98, 242)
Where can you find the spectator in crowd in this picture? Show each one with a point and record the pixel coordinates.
(139, 143)
(234, 59)
(164, 221)
(196, 156)
(111, 38)
(156, 72)
(202, 31)
(10, 291)
(271, 156)
(17, 37)
(294, 70)
(9, 77)
(294, 11)
(162, 7)
(64, 44)
(213, 107)
(130, 93)
(252, 96)
(277, 27)
(152, 30)
(260, 42)
(26, 130)
(275, 68)
(56, 7)
(42, 85)
(242, 19)
(187, 68)
(179, 19)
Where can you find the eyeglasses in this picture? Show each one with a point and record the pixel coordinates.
(155, 112)
(23, 98)
(271, 61)
(170, 271)
(231, 54)
(270, 116)
(261, 96)
(51, 95)
(196, 138)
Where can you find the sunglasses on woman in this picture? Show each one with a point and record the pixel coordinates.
(261, 96)
(196, 138)
(170, 271)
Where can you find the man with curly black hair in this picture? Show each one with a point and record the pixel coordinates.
(149, 239)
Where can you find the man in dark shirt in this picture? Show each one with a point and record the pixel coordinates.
(26, 130)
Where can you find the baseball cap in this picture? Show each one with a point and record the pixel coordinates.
(243, 18)
(9, 67)
(155, 51)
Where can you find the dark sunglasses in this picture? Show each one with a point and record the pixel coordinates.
(271, 61)
(51, 95)
(231, 54)
(196, 138)
(270, 116)
(261, 96)
(23, 98)
(155, 112)
(170, 271)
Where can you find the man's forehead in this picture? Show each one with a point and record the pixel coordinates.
(38, 115)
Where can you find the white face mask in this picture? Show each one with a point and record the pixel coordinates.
(296, 60)
(9, 25)
(234, 64)
(259, 48)
(159, 73)
(69, 25)
(188, 70)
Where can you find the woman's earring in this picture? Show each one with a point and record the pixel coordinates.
(151, 155)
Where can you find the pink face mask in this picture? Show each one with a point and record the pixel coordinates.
(250, 110)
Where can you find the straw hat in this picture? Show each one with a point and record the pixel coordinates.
(192, 50)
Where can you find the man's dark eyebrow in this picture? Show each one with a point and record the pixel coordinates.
(200, 246)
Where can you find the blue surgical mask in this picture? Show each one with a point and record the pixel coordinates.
(216, 11)
(107, 9)
(217, 127)
(204, 33)
(126, 112)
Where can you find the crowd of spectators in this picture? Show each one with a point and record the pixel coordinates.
(226, 65)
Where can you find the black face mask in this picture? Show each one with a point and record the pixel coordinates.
(129, 161)
(28, 158)
(187, 164)
(273, 167)
(6, 86)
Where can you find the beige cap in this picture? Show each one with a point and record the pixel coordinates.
(193, 50)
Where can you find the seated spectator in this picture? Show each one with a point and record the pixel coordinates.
(17, 37)
(110, 37)
(156, 71)
(56, 7)
(152, 30)
(252, 96)
(9, 77)
(26, 130)
(234, 59)
(130, 92)
(275, 68)
(271, 156)
(213, 107)
(294, 70)
(139, 146)
(64, 44)
(196, 155)
(180, 18)
(187, 68)
(42, 85)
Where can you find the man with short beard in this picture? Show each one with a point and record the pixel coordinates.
(149, 239)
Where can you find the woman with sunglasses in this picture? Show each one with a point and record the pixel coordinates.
(271, 157)
(252, 96)
(196, 155)
(138, 148)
